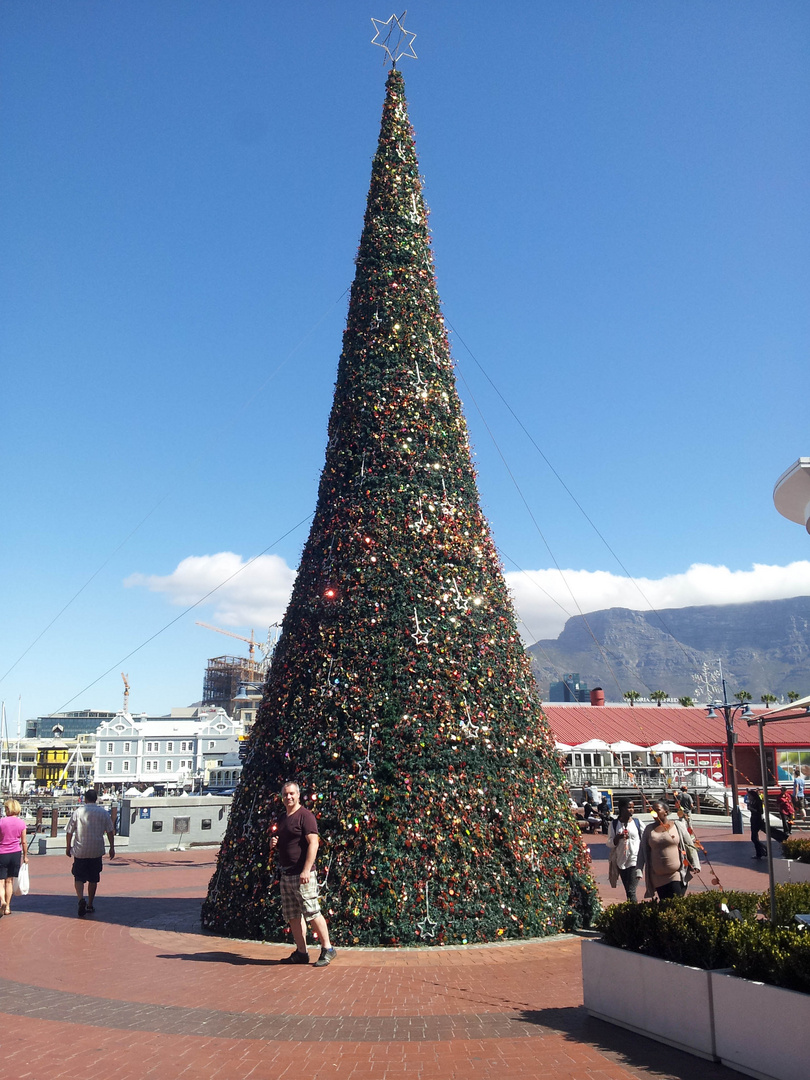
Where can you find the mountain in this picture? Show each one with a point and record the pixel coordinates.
(764, 648)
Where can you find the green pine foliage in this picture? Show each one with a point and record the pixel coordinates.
(400, 696)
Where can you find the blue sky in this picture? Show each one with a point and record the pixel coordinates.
(619, 205)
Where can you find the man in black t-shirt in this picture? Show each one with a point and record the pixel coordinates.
(295, 842)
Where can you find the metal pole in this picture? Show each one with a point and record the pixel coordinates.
(731, 758)
(771, 882)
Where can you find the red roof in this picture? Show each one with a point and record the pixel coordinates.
(647, 725)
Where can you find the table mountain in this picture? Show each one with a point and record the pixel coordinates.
(764, 647)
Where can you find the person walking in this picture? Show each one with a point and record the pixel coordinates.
(756, 808)
(624, 841)
(798, 793)
(784, 805)
(685, 802)
(295, 841)
(13, 851)
(84, 840)
(667, 856)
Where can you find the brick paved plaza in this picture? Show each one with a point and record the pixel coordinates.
(137, 990)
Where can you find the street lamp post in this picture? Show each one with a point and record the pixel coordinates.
(730, 713)
(785, 713)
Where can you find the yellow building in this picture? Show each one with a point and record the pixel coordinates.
(52, 759)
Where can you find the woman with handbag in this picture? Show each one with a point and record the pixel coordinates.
(13, 851)
(667, 857)
(624, 841)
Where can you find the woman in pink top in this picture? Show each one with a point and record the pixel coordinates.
(13, 851)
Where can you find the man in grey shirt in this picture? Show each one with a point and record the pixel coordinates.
(84, 838)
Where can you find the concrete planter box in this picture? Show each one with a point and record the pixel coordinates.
(760, 1030)
(664, 1001)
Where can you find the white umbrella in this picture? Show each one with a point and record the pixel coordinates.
(132, 793)
(627, 748)
(592, 744)
(668, 747)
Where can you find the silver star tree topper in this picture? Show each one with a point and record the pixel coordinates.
(392, 36)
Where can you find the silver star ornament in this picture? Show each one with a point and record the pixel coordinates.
(392, 36)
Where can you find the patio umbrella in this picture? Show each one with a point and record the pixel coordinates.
(593, 744)
(668, 747)
(623, 747)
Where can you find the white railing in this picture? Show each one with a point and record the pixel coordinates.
(652, 777)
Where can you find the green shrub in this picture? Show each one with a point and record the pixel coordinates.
(629, 926)
(797, 847)
(689, 930)
(791, 899)
(779, 955)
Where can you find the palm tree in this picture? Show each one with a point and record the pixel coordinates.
(742, 696)
(658, 696)
(793, 695)
(687, 702)
(632, 696)
(768, 700)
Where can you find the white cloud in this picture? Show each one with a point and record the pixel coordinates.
(258, 594)
(544, 601)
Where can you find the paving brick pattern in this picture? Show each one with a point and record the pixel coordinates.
(137, 990)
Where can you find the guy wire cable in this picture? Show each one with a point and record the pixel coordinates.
(540, 532)
(189, 468)
(565, 487)
(182, 614)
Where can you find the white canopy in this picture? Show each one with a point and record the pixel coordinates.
(592, 744)
(623, 747)
(668, 747)
(564, 748)
(132, 793)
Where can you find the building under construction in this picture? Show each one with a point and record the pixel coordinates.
(225, 675)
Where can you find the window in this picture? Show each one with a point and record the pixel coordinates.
(206, 823)
(211, 744)
(148, 766)
(109, 766)
(109, 747)
(169, 767)
(219, 763)
(169, 747)
(157, 826)
(154, 766)
(126, 747)
(126, 766)
(184, 746)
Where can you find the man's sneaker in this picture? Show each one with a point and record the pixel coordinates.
(296, 958)
(82, 908)
(326, 957)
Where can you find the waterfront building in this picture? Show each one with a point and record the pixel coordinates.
(72, 724)
(175, 751)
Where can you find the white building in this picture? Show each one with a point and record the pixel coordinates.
(178, 750)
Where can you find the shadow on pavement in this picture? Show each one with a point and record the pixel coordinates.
(625, 1047)
(158, 912)
(220, 958)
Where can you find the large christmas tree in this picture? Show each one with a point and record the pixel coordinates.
(400, 696)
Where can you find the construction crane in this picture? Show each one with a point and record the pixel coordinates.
(126, 692)
(251, 641)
